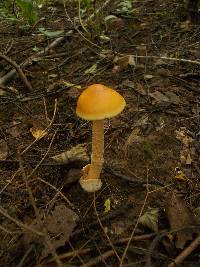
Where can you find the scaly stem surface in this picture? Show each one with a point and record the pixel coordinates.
(97, 150)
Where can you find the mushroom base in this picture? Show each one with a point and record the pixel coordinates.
(90, 185)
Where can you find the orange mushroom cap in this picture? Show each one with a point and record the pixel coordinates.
(99, 102)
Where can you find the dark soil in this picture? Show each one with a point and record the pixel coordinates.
(157, 132)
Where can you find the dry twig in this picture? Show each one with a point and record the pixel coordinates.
(133, 232)
(111, 244)
(17, 69)
(20, 224)
(186, 252)
(6, 78)
(32, 200)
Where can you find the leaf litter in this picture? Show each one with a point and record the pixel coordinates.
(59, 225)
(130, 36)
(180, 216)
(3, 149)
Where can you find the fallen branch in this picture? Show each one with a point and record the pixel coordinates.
(160, 236)
(6, 78)
(18, 70)
(171, 59)
(186, 252)
(105, 255)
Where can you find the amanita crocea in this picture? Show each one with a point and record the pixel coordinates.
(96, 103)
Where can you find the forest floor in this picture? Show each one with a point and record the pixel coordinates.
(148, 210)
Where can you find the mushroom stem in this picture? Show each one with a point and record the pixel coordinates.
(97, 159)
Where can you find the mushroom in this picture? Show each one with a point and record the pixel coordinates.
(96, 103)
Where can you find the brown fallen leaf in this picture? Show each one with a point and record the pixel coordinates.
(168, 97)
(76, 153)
(59, 224)
(3, 149)
(15, 129)
(159, 97)
(122, 63)
(135, 86)
(180, 216)
(184, 137)
(38, 133)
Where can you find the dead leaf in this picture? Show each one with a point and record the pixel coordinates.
(179, 216)
(180, 175)
(186, 155)
(135, 86)
(15, 129)
(196, 110)
(159, 97)
(3, 149)
(134, 137)
(183, 136)
(167, 97)
(2, 92)
(173, 98)
(76, 153)
(108, 54)
(148, 76)
(73, 93)
(140, 89)
(118, 228)
(59, 224)
(38, 133)
(122, 63)
(186, 25)
(150, 219)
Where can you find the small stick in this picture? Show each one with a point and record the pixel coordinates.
(186, 252)
(19, 70)
(136, 225)
(60, 193)
(98, 259)
(21, 263)
(20, 224)
(32, 200)
(159, 236)
(8, 231)
(167, 58)
(100, 223)
(6, 78)
(72, 254)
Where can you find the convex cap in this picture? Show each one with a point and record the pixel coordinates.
(98, 102)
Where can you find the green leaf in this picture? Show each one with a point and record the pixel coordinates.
(107, 205)
(87, 3)
(68, 84)
(28, 10)
(91, 70)
(110, 17)
(51, 33)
